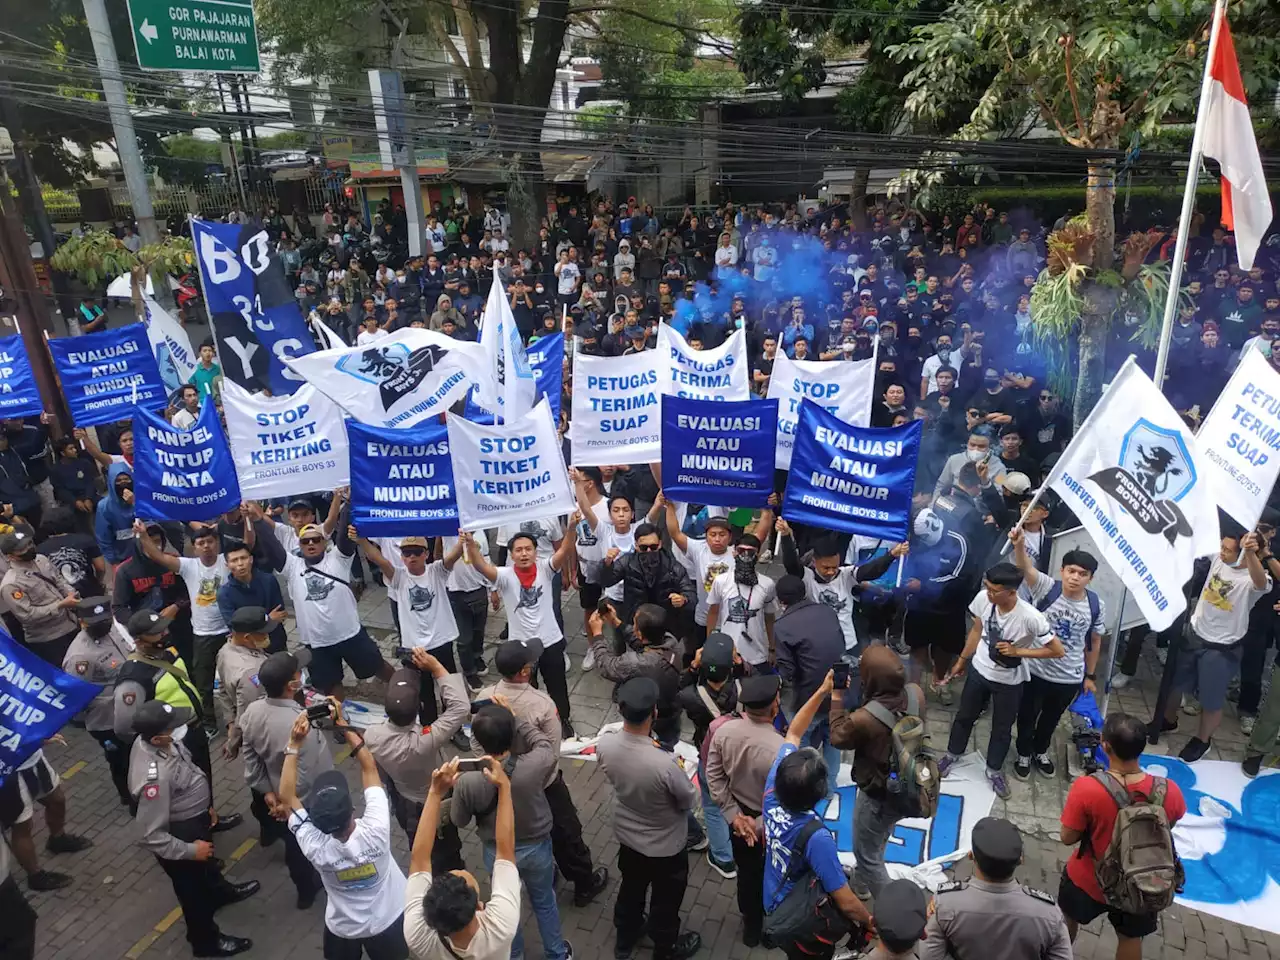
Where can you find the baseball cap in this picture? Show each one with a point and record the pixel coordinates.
(403, 689)
(329, 803)
(514, 655)
(15, 541)
(637, 697)
(301, 504)
(1017, 483)
(311, 531)
(146, 623)
(413, 542)
(94, 609)
(249, 620)
(156, 717)
(718, 651)
(901, 912)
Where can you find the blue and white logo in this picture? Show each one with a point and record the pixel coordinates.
(1157, 457)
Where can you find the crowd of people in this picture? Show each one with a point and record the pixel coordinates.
(782, 674)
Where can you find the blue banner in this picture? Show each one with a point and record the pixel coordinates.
(182, 475)
(546, 357)
(853, 479)
(100, 372)
(19, 395)
(402, 481)
(36, 699)
(256, 318)
(719, 452)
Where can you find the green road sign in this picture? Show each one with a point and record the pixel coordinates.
(208, 36)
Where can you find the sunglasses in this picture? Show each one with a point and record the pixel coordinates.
(648, 547)
(412, 552)
(312, 540)
(745, 552)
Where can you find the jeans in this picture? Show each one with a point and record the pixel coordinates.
(1043, 703)
(538, 874)
(1004, 698)
(471, 611)
(204, 665)
(717, 829)
(818, 736)
(872, 825)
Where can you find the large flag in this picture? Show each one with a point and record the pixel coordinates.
(508, 388)
(182, 475)
(546, 357)
(106, 374)
(1133, 478)
(171, 344)
(396, 381)
(844, 388)
(721, 373)
(1229, 139)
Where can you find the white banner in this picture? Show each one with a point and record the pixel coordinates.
(1240, 440)
(507, 387)
(508, 472)
(1132, 479)
(285, 446)
(845, 388)
(719, 374)
(397, 381)
(617, 410)
(170, 343)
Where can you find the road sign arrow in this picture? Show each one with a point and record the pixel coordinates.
(148, 31)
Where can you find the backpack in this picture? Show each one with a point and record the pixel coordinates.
(1095, 605)
(1139, 872)
(913, 784)
(807, 914)
(718, 720)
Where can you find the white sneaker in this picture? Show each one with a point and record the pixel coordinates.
(589, 661)
(1162, 654)
(1247, 723)
(1190, 706)
(568, 664)
(1120, 680)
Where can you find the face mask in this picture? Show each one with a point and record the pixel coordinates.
(944, 354)
(976, 456)
(649, 560)
(744, 570)
(179, 733)
(824, 579)
(27, 555)
(913, 341)
(991, 382)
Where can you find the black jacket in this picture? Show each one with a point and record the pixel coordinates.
(15, 486)
(669, 577)
(660, 663)
(691, 702)
(809, 641)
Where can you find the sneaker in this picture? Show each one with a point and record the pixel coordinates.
(766, 555)
(566, 730)
(584, 895)
(1252, 766)
(726, 868)
(899, 646)
(474, 682)
(1167, 725)
(461, 741)
(750, 938)
(1120, 680)
(589, 661)
(1022, 768)
(686, 945)
(482, 668)
(1194, 750)
(1044, 763)
(568, 664)
(1190, 706)
(568, 950)
(944, 765)
(48, 880)
(697, 844)
(67, 843)
(999, 783)
(1247, 723)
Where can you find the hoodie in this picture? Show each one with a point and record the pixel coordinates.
(884, 680)
(113, 522)
(142, 584)
(624, 259)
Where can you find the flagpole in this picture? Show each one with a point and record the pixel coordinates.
(1188, 198)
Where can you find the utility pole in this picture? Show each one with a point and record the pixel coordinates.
(135, 174)
(231, 150)
(248, 143)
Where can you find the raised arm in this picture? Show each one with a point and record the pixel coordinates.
(450, 559)
(374, 553)
(580, 481)
(150, 551)
(478, 559)
(673, 524)
(803, 719)
(442, 781)
(91, 448)
(289, 775)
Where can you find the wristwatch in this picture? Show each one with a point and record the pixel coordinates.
(290, 751)
(1090, 676)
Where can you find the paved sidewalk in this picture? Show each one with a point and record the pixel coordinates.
(121, 904)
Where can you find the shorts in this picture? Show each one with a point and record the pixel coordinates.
(358, 652)
(1207, 669)
(1078, 906)
(34, 783)
(924, 628)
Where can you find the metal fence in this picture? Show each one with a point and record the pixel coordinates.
(212, 199)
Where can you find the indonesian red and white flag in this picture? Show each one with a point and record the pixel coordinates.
(1229, 139)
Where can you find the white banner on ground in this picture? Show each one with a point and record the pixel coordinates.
(845, 388)
(397, 381)
(718, 374)
(1229, 841)
(285, 445)
(170, 343)
(508, 472)
(1132, 478)
(1240, 440)
(617, 411)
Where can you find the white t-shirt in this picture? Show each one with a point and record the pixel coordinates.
(202, 587)
(530, 613)
(370, 336)
(608, 538)
(499, 919)
(566, 277)
(1023, 626)
(546, 531)
(1073, 624)
(742, 613)
(588, 541)
(930, 372)
(838, 595)
(704, 567)
(1222, 613)
(325, 609)
(184, 419)
(366, 890)
(287, 536)
(464, 577)
(426, 618)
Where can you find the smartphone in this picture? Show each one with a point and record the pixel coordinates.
(604, 606)
(404, 653)
(320, 711)
(472, 764)
(840, 669)
(478, 705)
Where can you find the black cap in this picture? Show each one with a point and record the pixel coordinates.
(637, 697)
(249, 620)
(403, 689)
(329, 803)
(901, 912)
(17, 540)
(718, 650)
(997, 840)
(759, 691)
(514, 655)
(147, 623)
(278, 669)
(156, 717)
(301, 504)
(94, 609)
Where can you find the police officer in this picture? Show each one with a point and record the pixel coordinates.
(35, 593)
(154, 671)
(652, 799)
(97, 654)
(992, 915)
(174, 804)
(406, 753)
(739, 758)
(238, 663)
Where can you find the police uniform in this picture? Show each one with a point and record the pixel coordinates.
(174, 800)
(739, 758)
(995, 921)
(34, 592)
(99, 659)
(237, 670)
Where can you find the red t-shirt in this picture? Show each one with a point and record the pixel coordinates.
(1091, 809)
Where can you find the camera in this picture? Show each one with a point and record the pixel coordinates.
(319, 713)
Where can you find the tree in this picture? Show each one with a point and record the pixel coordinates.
(1092, 74)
